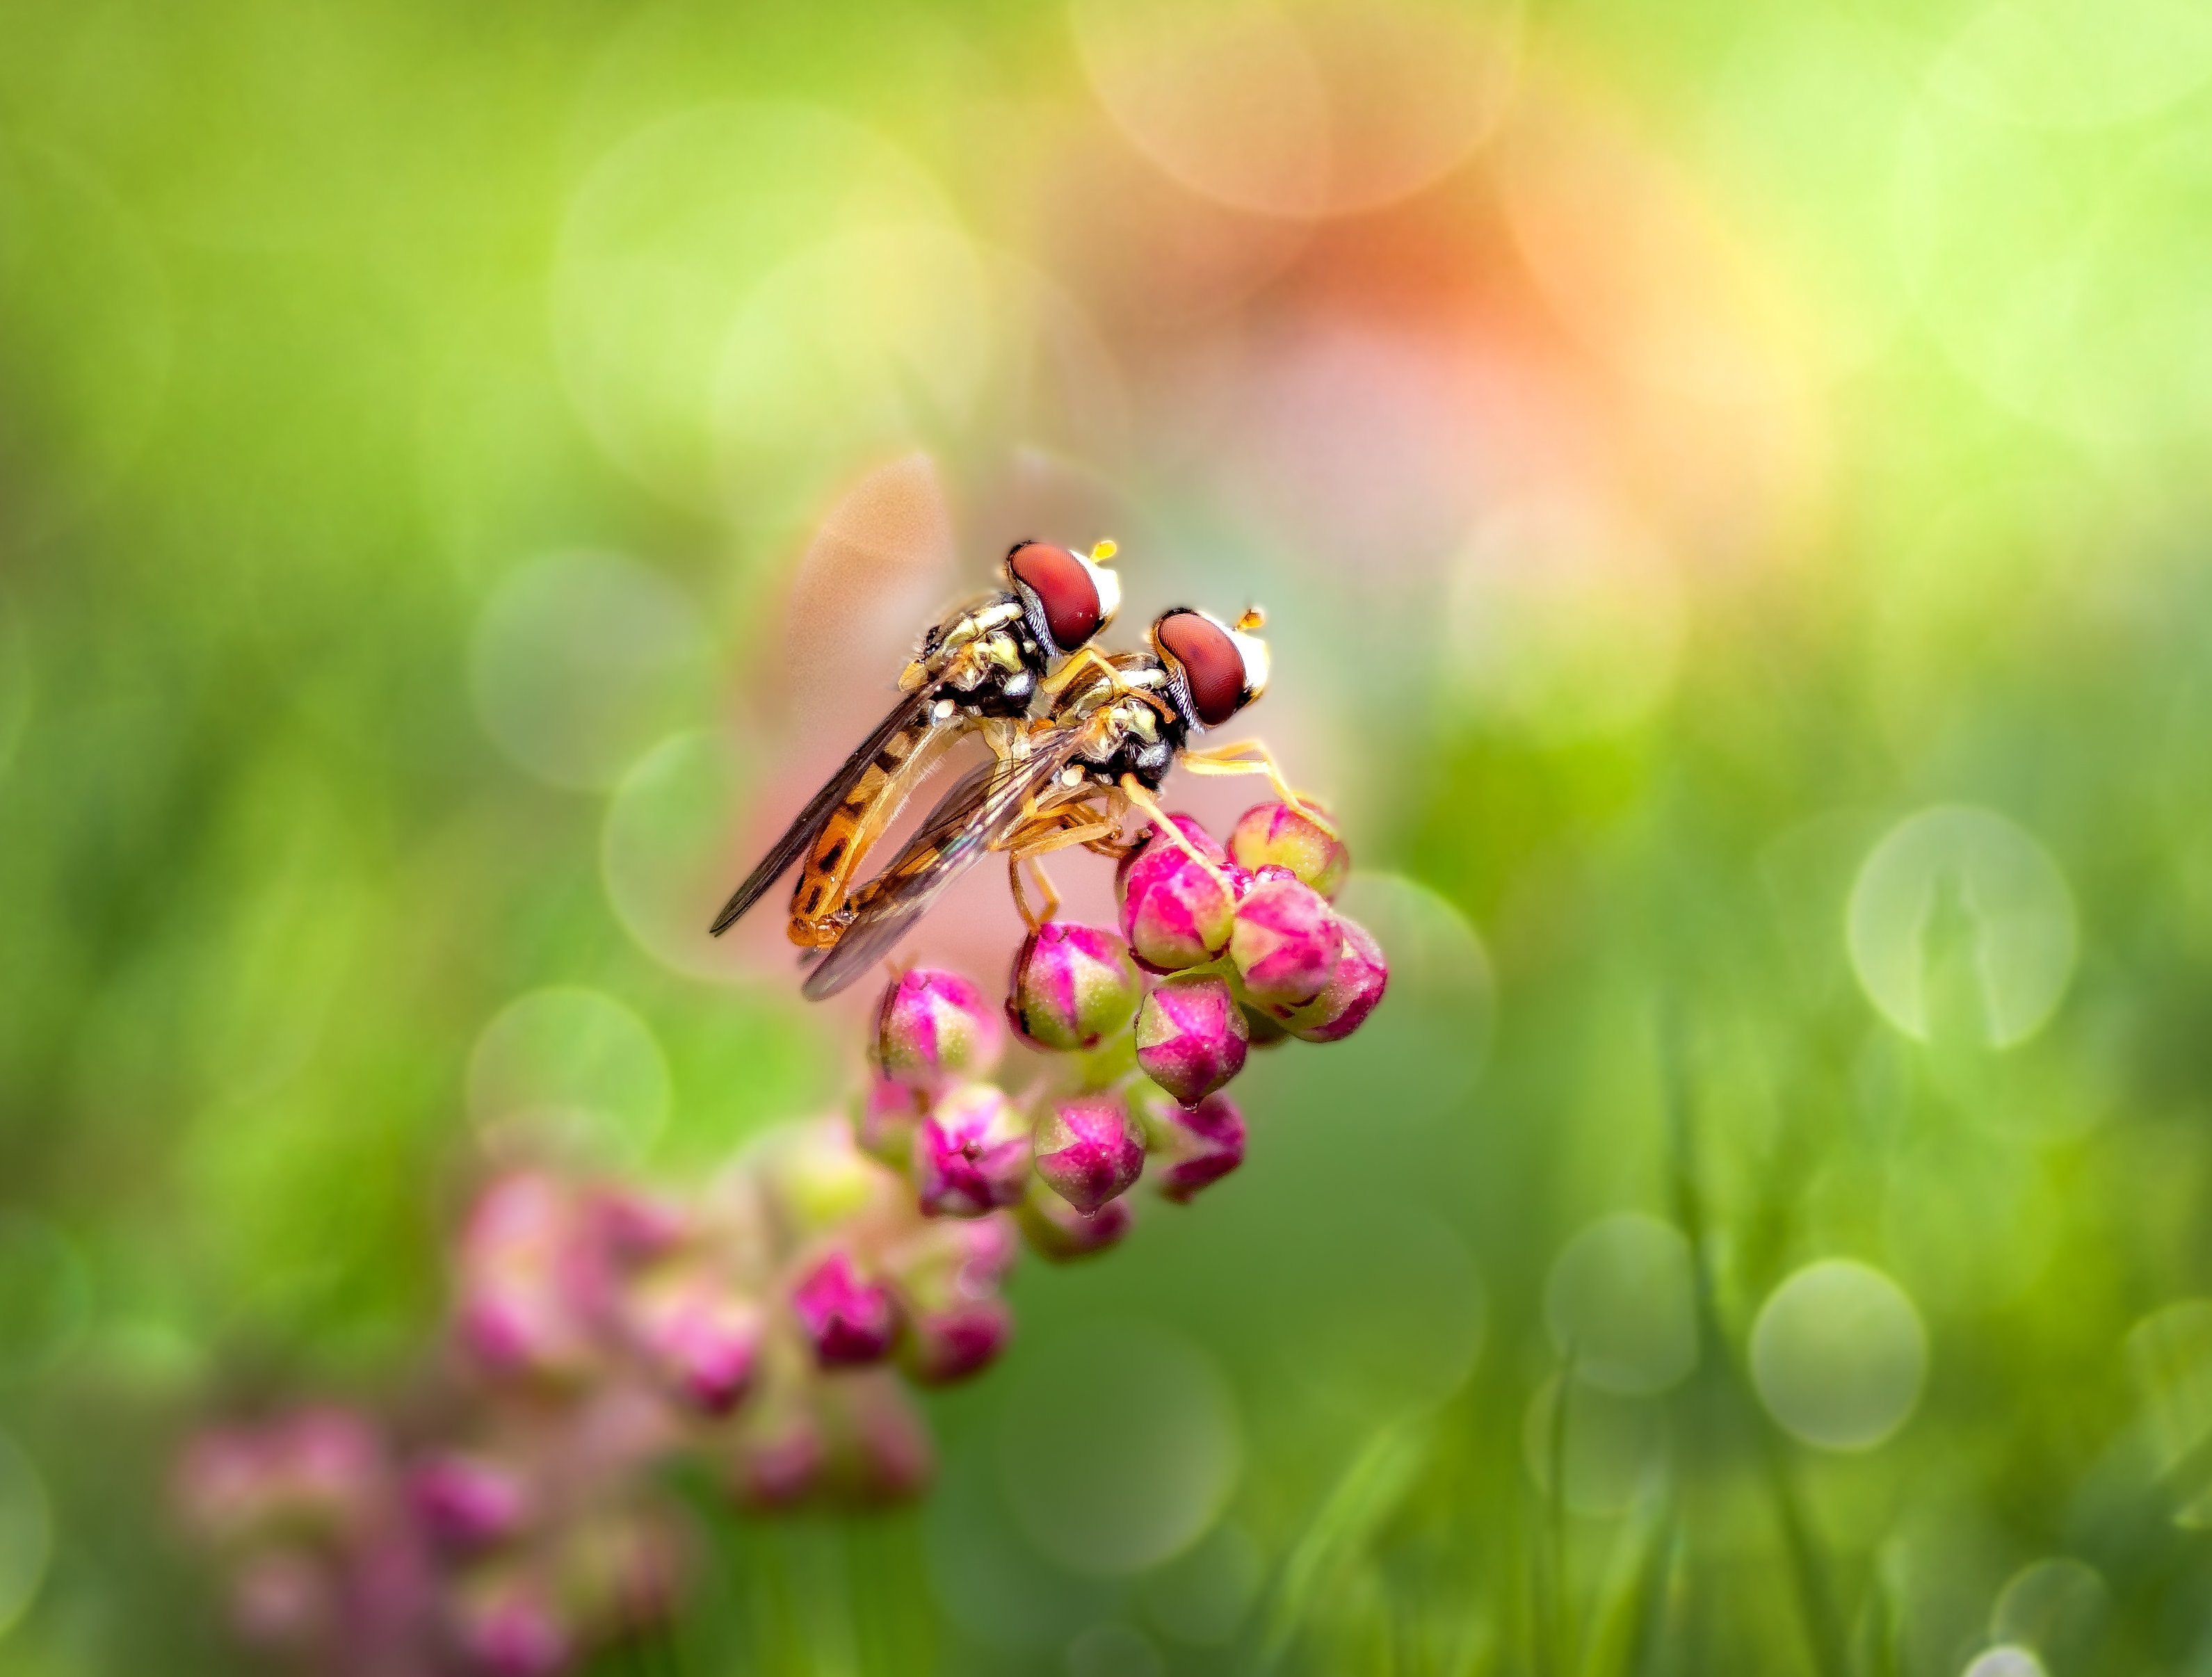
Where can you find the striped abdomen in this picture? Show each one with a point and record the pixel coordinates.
(819, 902)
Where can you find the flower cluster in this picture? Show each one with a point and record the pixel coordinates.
(510, 1520)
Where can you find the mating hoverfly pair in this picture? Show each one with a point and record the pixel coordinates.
(1078, 739)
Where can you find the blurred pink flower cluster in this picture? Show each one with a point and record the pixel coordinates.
(756, 1325)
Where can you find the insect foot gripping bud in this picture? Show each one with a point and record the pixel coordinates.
(1087, 1151)
(1056, 1229)
(699, 1335)
(1361, 976)
(463, 1501)
(1278, 835)
(971, 1154)
(1175, 910)
(935, 1029)
(1073, 986)
(845, 1319)
(1191, 1037)
(1191, 1147)
(1286, 940)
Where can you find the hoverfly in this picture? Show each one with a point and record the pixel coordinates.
(984, 665)
(1116, 725)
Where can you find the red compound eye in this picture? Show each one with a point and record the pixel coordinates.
(1211, 663)
(1062, 586)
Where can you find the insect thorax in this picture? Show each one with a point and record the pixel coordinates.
(1130, 735)
(984, 662)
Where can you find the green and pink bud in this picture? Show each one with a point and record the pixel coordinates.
(971, 1155)
(532, 1278)
(1073, 986)
(1056, 1229)
(780, 1450)
(1303, 841)
(507, 1624)
(1286, 940)
(946, 1279)
(935, 1029)
(465, 1501)
(1088, 1151)
(699, 1335)
(846, 1318)
(318, 1474)
(1191, 1037)
(879, 1447)
(942, 1346)
(888, 1114)
(1353, 991)
(1191, 1147)
(1178, 911)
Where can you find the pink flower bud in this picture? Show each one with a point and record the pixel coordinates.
(698, 1333)
(1191, 1037)
(284, 1600)
(946, 1278)
(463, 1501)
(1191, 1147)
(1361, 976)
(945, 1265)
(1286, 940)
(847, 1320)
(222, 1484)
(941, 1347)
(636, 1227)
(888, 1114)
(780, 1450)
(935, 1029)
(879, 1447)
(1278, 834)
(506, 1624)
(319, 1473)
(1087, 1151)
(971, 1154)
(1176, 911)
(1157, 847)
(1073, 986)
(532, 1278)
(1056, 1229)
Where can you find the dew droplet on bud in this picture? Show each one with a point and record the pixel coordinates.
(1191, 1037)
(1190, 1147)
(1056, 1229)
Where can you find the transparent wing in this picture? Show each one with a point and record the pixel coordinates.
(799, 838)
(978, 815)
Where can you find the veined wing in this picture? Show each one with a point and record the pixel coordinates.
(799, 838)
(979, 812)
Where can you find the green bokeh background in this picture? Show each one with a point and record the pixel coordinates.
(1677, 444)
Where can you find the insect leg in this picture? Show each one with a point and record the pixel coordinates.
(1147, 806)
(1088, 658)
(1249, 756)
